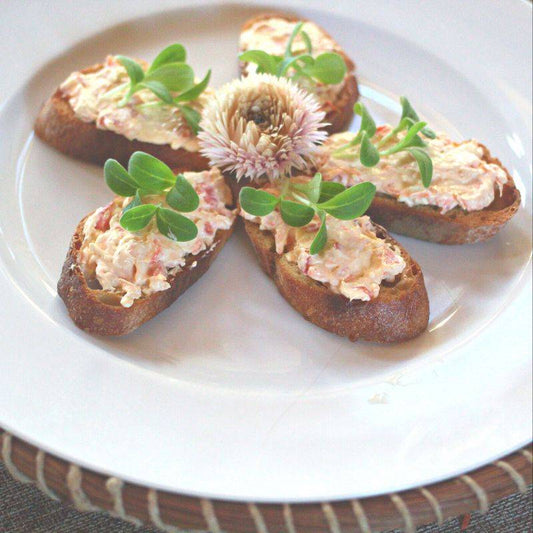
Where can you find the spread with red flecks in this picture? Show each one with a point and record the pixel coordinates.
(94, 97)
(272, 35)
(354, 262)
(136, 264)
(461, 176)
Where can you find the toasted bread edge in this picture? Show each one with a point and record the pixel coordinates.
(58, 126)
(454, 227)
(88, 307)
(399, 313)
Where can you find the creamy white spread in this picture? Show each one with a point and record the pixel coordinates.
(272, 35)
(461, 178)
(136, 264)
(94, 97)
(354, 262)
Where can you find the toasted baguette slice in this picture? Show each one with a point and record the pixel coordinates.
(100, 312)
(59, 127)
(399, 313)
(339, 112)
(426, 222)
(457, 226)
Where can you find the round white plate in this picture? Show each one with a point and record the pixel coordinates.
(230, 393)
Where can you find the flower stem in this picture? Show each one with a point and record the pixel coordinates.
(385, 139)
(302, 199)
(116, 89)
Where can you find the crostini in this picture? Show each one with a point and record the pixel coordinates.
(118, 107)
(272, 32)
(347, 276)
(429, 187)
(114, 279)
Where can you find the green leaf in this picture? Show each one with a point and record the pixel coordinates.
(321, 238)
(311, 189)
(367, 122)
(174, 76)
(329, 189)
(367, 125)
(195, 91)
(289, 62)
(134, 70)
(175, 226)
(295, 214)
(295, 32)
(404, 124)
(328, 68)
(175, 53)
(137, 200)
(257, 202)
(307, 41)
(351, 203)
(118, 179)
(425, 165)
(265, 62)
(192, 117)
(429, 133)
(418, 142)
(137, 218)
(150, 174)
(408, 140)
(159, 90)
(368, 154)
(182, 196)
(409, 112)
(411, 133)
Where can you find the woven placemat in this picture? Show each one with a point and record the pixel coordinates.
(173, 513)
(24, 509)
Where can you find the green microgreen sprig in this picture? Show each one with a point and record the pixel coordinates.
(370, 153)
(328, 68)
(170, 79)
(147, 175)
(299, 202)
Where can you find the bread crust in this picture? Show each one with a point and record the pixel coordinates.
(339, 113)
(340, 116)
(426, 222)
(399, 313)
(457, 226)
(99, 312)
(59, 127)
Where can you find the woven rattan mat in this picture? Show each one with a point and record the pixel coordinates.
(23, 509)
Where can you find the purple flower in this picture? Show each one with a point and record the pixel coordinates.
(261, 125)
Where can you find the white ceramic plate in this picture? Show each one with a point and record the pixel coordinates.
(230, 393)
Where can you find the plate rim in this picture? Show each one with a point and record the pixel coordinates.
(6, 104)
(473, 491)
